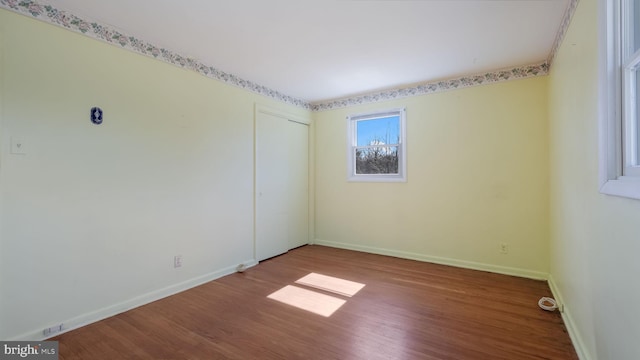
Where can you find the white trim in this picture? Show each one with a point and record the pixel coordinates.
(572, 328)
(260, 108)
(628, 187)
(505, 270)
(608, 95)
(101, 314)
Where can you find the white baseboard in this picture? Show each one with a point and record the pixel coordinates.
(101, 314)
(574, 334)
(525, 273)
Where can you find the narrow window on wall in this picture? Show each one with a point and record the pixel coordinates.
(619, 97)
(630, 64)
(376, 147)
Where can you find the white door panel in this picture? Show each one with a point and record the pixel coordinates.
(299, 184)
(281, 154)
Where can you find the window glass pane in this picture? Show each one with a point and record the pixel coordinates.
(635, 24)
(378, 131)
(377, 160)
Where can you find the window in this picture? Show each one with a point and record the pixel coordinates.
(630, 65)
(620, 98)
(376, 148)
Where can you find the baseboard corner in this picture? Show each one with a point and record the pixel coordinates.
(572, 329)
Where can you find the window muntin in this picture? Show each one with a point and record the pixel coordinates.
(376, 148)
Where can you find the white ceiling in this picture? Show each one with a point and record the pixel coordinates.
(318, 50)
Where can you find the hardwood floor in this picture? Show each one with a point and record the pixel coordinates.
(406, 310)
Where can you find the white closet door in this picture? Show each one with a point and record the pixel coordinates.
(299, 184)
(281, 185)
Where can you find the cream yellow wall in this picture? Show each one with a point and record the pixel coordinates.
(92, 216)
(477, 177)
(595, 238)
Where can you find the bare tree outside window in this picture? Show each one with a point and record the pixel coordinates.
(377, 159)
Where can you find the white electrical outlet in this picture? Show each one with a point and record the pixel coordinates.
(177, 261)
(52, 330)
(504, 248)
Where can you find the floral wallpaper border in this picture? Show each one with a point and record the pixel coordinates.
(439, 86)
(104, 33)
(562, 31)
(462, 82)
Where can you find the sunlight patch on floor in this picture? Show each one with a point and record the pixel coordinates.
(331, 284)
(316, 302)
(308, 300)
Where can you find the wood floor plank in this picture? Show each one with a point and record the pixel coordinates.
(406, 310)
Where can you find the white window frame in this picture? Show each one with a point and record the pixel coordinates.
(352, 144)
(618, 174)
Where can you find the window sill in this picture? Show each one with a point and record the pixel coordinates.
(369, 178)
(624, 186)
